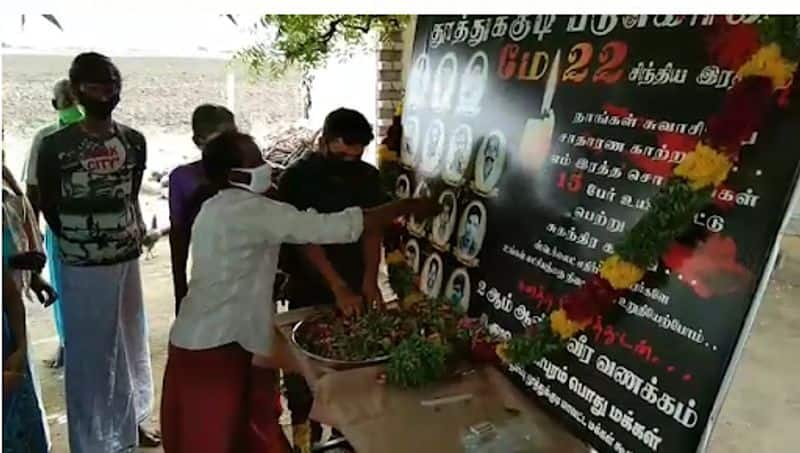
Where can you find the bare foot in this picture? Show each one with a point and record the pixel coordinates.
(149, 438)
(58, 359)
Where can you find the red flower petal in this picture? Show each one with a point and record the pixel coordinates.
(594, 298)
(743, 110)
(730, 46)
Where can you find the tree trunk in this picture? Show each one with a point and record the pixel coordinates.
(306, 82)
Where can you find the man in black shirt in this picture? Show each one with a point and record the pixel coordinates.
(332, 179)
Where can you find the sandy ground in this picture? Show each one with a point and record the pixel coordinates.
(759, 415)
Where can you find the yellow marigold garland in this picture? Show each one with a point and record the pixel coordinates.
(564, 327)
(768, 61)
(620, 273)
(704, 167)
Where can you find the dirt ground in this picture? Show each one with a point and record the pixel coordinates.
(759, 415)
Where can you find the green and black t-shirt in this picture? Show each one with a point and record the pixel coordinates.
(95, 183)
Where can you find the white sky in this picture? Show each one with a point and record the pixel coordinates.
(128, 33)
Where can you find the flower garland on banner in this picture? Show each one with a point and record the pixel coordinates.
(771, 68)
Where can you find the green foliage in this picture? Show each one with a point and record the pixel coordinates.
(525, 350)
(783, 30)
(401, 279)
(416, 362)
(306, 41)
(671, 213)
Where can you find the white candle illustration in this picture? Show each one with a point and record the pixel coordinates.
(536, 137)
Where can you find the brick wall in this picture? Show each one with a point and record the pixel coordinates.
(390, 84)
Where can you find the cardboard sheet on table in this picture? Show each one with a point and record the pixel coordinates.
(377, 418)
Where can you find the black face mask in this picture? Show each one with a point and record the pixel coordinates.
(99, 109)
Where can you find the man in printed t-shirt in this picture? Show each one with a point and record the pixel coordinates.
(89, 177)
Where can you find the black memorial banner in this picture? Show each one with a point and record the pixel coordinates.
(544, 137)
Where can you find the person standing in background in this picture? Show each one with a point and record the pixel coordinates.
(89, 176)
(327, 181)
(189, 188)
(66, 107)
(24, 422)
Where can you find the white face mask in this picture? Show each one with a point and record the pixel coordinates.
(260, 178)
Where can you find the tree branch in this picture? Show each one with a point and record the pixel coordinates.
(363, 28)
(332, 27)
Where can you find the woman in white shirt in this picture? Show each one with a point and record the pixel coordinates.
(226, 316)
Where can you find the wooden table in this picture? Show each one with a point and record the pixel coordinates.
(378, 418)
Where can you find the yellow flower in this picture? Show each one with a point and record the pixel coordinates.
(398, 111)
(386, 155)
(563, 326)
(620, 273)
(502, 352)
(703, 167)
(395, 257)
(768, 62)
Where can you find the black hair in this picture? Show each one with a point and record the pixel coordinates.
(474, 211)
(221, 154)
(207, 118)
(93, 67)
(349, 125)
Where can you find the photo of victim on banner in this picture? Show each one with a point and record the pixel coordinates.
(402, 187)
(415, 227)
(489, 163)
(431, 279)
(445, 222)
(598, 191)
(470, 234)
(458, 289)
(459, 152)
(412, 254)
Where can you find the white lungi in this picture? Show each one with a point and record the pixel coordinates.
(108, 377)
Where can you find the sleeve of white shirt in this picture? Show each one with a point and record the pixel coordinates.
(283, 223)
